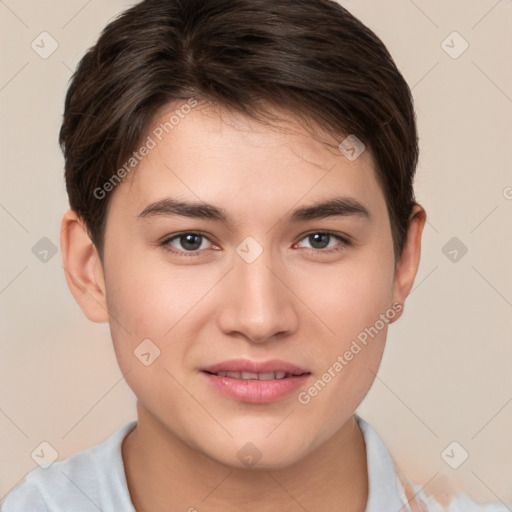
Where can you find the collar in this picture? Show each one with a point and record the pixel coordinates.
(384, 490)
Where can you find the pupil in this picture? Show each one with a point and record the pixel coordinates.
(319, 238)
(189, 241)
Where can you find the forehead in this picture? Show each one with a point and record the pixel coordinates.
(249, 167)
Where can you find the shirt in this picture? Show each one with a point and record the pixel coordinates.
(94, 480)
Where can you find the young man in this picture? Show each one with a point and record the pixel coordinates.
(242, 214)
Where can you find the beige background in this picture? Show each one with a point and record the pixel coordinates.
(446, 372)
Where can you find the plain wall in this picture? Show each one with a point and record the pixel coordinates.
(445, 375)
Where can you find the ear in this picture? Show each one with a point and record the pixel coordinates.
(409, 260)
(83, 268)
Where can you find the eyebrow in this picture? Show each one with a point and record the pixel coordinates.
(334, 207)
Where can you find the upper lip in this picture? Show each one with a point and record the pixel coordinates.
(246, 365)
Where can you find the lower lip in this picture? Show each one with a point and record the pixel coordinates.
(256, 391)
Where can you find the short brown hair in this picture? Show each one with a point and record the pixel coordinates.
(309, 57)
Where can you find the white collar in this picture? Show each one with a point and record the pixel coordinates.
(385, 493)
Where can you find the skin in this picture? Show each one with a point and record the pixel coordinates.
(294, 302)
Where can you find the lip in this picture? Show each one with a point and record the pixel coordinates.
(247, 365)
(252, 390)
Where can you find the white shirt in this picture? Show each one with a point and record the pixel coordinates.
(94, 480)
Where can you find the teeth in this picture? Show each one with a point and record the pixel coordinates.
(266, 376)
(254, 376)
(249, 375)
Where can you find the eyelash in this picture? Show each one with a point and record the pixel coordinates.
(345, 242)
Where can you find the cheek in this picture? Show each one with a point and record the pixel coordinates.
(354, 301)
(169, 307)
(151, 298)
(351, 297)
(148, 310)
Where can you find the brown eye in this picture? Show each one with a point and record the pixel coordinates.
(185, 243)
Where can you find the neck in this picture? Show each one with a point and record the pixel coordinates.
(162, 471)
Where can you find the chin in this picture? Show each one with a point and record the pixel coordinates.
(259, 454)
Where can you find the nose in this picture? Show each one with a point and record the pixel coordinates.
(257, 302)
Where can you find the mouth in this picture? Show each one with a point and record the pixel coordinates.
(256, 382)
(250, 369)
(278, 375)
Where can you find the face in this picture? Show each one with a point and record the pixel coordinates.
(217, 251)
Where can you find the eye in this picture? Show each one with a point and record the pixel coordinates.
(183, 243)
(193, 243)
(320, 241)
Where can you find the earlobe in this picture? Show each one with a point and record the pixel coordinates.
(408, 262)
(83, 268)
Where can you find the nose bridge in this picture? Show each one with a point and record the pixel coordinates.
(258, 304)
